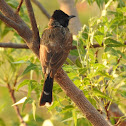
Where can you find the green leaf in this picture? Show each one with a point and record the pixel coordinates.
(29, 68)
(97, 92)
(113, 43)
(82, 71)
(13, 3)
(78, 63)
(85, 36)
(74, 52)
(123, 93)
(99, 3)
(99, 37)
(28, 100)
(69, 61)
(71, 118)
(112, 51)
(19, 62)
(25, 82)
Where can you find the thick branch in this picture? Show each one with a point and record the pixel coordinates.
(7, 11)
(23, 30)
(9, 22)
(44, 11)
(79, 99)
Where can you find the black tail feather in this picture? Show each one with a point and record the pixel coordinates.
(47, 91)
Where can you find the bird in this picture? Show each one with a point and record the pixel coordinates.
(55, 45)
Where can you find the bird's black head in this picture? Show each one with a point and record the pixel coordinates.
(61, 17)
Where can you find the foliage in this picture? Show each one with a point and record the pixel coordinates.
(98, 72)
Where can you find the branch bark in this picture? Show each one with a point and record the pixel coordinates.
(61, 77)
(14, 45)
(33, 21)
(79, 99)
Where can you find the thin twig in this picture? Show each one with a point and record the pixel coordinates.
(107, 111)
(19, 6)
(44, 11)
(11, 91)
(14, 45)
(118, 61)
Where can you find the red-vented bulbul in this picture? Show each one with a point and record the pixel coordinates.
(55, 45)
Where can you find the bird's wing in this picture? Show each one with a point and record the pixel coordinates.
(54, 49)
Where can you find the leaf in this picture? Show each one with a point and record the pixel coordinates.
(122, 54)
(13, 3)
(112, 51)
(25, 82)
(99, 37)
(123, 93)
(78, 63)
(69, 61)
(20, 101)
(71, 118)
(85, 36)
(28, 100)
(99, 3)
(100, 94)
(113, 43)
(82, 70)
(74, 52)
(29, 68)
(34, 109)
(19, 62)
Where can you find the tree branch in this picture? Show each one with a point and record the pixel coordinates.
(33, 20)
(79, 99)
(9, 22)
(14, 45)
(19, 6)
(11, 91)
(24, 46)
(44, 11)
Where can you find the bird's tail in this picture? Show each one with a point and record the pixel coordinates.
(46, 95)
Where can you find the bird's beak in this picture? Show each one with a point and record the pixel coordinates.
(72, 16)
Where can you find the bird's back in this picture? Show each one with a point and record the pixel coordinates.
(55, 45)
